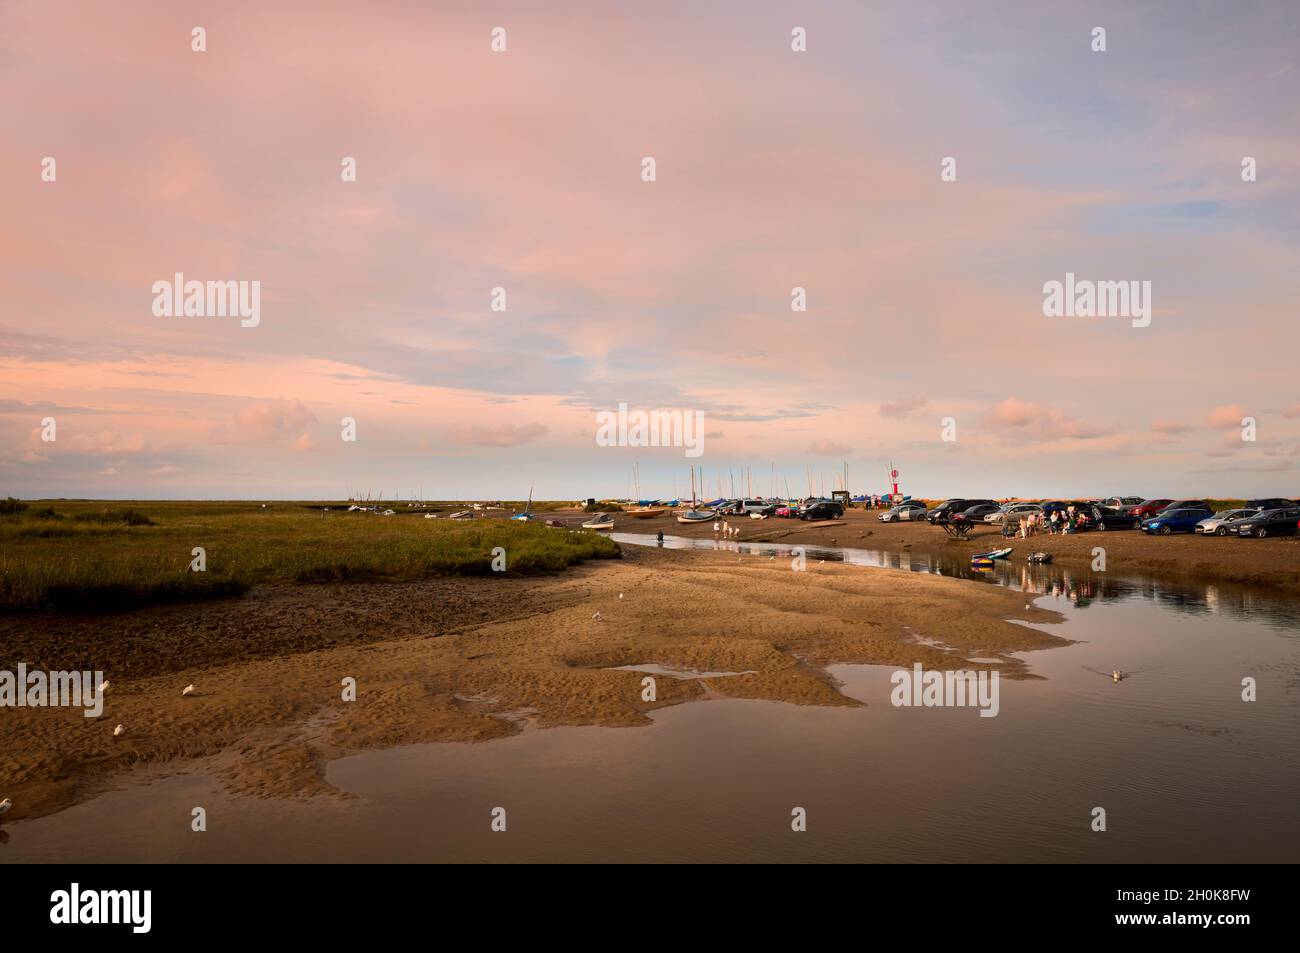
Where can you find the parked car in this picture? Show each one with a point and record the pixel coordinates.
(1122, 503)
(1063, 506)
(1189, 505)
(904, 512)
(1014, 510)
(946, 508)
(787, 512)
(1278, 522)
(822, 510)
(1149, 508)
(980, 511)
(1102, 518)
(1221, 523)
(1272, 503)
(1171, 520)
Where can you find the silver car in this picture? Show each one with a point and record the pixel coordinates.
(903, 512)
(1015, 511)
(1218, 524)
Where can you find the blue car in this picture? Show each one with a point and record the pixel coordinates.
(1174, 521)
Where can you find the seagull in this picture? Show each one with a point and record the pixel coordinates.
(596, 615)
(1116, 675)
(5, 806)
(188, 690)
(104, 687)
(119, 731)
(620, 595)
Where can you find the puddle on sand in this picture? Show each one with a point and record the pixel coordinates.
(686, 674)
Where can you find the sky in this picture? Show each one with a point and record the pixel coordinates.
(924, 340)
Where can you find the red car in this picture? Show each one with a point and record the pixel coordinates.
(1148, 508)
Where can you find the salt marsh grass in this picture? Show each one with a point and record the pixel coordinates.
(94, 557)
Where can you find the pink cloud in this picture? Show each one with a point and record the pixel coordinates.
(1026, 421)
(830, 449)
(1227, 415)
(500, 435)
(268, 422)
(105, 442)
(902, 408)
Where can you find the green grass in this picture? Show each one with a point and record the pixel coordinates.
(89, 557)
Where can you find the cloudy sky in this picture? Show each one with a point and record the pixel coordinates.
(521, 169)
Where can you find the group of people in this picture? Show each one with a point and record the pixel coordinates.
(1071, 520)
(724, 529)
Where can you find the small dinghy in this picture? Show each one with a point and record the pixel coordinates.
(646, 512)
(1040, 558)
(695, 516)
(603, 521)
(996, 554)
(981, 563)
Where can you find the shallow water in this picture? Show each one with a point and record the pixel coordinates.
(1185, 770)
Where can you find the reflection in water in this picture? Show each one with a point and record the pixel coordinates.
(1080, 587)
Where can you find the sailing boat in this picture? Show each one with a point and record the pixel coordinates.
(693, 515)
(527, 515)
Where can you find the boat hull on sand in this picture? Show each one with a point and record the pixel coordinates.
(695, 516)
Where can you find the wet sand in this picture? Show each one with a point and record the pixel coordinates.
(460, 659)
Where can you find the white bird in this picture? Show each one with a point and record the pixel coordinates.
(5, 806)
(596, 616)
(620, 595)
(188, 690)
(104, 687)
(119, 731)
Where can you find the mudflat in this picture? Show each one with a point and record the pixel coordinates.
(462, 659)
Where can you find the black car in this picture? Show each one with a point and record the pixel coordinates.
(822, 510)
(1108, 517)
(1063, 506)
(946, 508)
(1187, 505)
(980, 510)
(1272, 503)
(1279, 522)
